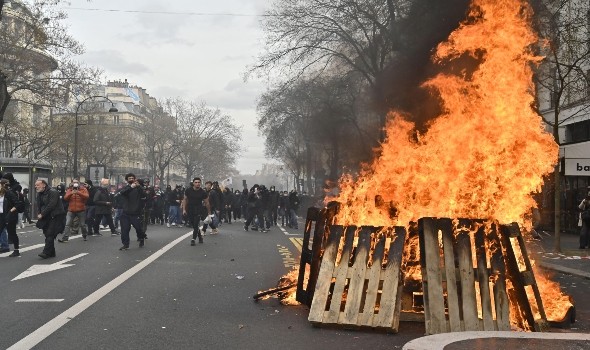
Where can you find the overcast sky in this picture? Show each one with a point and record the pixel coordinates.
(186, 51)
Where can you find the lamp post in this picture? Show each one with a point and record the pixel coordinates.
(111, 110)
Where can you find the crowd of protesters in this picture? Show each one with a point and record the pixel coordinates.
(84, 208)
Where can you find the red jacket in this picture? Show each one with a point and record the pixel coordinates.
(77, 201)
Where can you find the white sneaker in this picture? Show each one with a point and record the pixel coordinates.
(168, 224)
(215, 231)
(173, 224)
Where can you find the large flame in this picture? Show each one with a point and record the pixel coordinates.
(484, 155)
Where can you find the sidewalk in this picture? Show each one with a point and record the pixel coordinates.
(571, 260)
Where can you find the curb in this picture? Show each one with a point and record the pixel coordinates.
(566, 270)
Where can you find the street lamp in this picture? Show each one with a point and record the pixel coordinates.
(111, 110)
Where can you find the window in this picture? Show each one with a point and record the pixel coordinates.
(578, 132)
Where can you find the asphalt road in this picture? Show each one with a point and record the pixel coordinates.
(167, 295)
(170, 295)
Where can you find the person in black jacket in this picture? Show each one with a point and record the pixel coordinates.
(10, 204)
(50, 217)
(91, 210)
(133, 197)
(104, 207)
(11, 185)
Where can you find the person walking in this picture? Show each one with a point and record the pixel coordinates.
(9, 204)
(76, 196)
(51, 216)
(174, 200)
(104, 207)
(91, 209)
(133, 199)
(195, 206)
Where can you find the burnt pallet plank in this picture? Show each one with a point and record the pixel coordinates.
(434, 304)
(373, 276)
(302, 294)
(356, 278)
(469, 303)
(498, 268)
(322, 289)
(388, 315)
(453, 302)
(483, 279)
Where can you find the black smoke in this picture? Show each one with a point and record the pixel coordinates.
(429, 23)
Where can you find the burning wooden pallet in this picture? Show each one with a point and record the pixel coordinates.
(464, 277)
(360, 285)
(466, 266)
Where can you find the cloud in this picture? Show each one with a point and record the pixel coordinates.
(114, 62)
(235, 95)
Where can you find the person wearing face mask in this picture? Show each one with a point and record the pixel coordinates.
(104, 207)
(133, 199)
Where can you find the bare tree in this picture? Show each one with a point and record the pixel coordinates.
(208, 140)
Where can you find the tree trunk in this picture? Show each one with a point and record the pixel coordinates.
(557, 194)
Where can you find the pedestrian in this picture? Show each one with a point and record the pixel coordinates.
(104, 207)
(293, 208)
(215, 203)
(195, 206)
(9, 204)
(11, 185)
(274, 205)
(91, 209)
(133, 199)
(51, 216)
(174, 200)
(585, 218)
(76, 196)
(27, 202)
(254, 209)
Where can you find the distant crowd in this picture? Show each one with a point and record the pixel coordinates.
(82, 207)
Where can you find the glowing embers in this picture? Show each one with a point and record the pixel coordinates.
(359, 281)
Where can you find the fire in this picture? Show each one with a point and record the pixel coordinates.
(483, 156)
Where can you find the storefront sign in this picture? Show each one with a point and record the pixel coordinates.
(577, 167)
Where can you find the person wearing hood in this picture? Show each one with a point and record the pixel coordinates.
(9, 204)
(11, 185)
(91, 210)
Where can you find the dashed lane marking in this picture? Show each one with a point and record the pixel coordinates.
(39, 300)
(288, 259)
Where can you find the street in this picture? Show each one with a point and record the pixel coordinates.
(188, 298)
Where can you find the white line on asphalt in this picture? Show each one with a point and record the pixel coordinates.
(39, 300)
(53, 325)
(34, 246)
(289, 234)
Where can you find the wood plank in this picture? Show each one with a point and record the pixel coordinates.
(373, 275)
(484, 279)
(469, 304)
(357, 278)
(303, 294)
(340, 273)
(446, 226)
(501, 301)
(434, 307)
(389, 313)
(322, 289)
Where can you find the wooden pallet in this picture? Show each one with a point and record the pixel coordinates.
(349, 291)
(317, 221)
(464, 276)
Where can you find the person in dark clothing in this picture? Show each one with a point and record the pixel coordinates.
(265, 207)
(104, 207)
(91, 210)
(27, 202)
(51, 216)
(9, 206)
(11, 185)
(254, 208)
(237, 205)
(293, 208)
(215, 203)
(195, 206)
(228, 200)
(174, 200)
(166, 203)
(284, 208)
(273, 205)
(133, 197)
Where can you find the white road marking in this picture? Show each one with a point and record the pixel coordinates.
(53, 325)
(39, 300)
(289, 234)
(34, 246)
(39, 269)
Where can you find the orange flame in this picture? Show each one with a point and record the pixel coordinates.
(484, 155)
